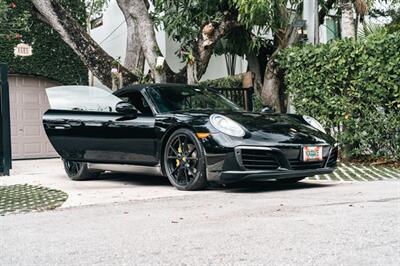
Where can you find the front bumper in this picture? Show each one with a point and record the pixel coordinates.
(234, 176)
(229, 165)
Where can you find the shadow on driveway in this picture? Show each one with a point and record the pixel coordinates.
(135, 179)
(248, 186)
(261, 186)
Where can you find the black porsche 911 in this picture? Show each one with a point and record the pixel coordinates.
(190, 134)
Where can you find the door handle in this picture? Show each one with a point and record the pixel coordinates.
(60, 126)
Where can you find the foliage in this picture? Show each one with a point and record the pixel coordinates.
(351, 86)
(227, 82)
(11, 26)
(266, 14)
(95, 8)
(182, 19)
(51, 58)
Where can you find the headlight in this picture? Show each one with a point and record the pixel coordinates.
(226, 125)
(314, 123)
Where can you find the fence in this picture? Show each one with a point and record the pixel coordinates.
(5, 137)
(241, 96)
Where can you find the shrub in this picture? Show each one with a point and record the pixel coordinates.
(351, 86)
(226, 82)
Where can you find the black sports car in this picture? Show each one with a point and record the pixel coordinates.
(190, 134)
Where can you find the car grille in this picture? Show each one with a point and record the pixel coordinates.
(260, 159)
(300, 165)
(333, 157)
(255, 159)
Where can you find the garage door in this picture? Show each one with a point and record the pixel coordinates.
(28, 102)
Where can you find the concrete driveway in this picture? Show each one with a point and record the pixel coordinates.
(143, 220)
(257, 223)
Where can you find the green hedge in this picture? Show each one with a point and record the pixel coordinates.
(353, 87)
(52, 58)
(226, 82)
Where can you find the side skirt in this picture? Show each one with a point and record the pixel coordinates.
(127, 168)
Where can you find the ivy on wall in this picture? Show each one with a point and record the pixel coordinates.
(51, 58)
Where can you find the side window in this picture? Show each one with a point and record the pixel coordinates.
(82, 98)
(137, 99)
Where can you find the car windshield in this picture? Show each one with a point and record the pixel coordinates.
(188, 98)
(82, 98)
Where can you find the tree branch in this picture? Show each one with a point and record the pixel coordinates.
(206, 43)
(92, 55)
(325, 10)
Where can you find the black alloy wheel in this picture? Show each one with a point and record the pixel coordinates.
(79, 171)
(184, 161)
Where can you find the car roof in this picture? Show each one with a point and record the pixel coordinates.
(140, 87)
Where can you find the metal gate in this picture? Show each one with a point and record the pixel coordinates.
(241, 96)
(5, 136)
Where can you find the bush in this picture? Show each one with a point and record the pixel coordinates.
(226, 82)
(353, 87)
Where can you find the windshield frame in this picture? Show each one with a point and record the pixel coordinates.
(156, 107)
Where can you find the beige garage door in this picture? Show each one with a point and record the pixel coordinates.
(28, 102)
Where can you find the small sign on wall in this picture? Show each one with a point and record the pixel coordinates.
(23, 49)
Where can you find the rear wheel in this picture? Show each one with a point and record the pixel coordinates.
(291, 180)
(184, 161)
(79, 171)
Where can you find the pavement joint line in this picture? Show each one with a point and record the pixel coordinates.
(342, 170)
(354, 172)
(390, 171)
(385, 170)
(376, 172)
(337, 176)
(370, 171)
(384, 174)
(361, 170)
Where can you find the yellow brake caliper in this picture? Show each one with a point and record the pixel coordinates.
(180, 152)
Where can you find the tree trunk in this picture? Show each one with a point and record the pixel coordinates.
(209, 36)
(75, 36)
(347, 20)
(273, 91)
(254, 66)
(192, 74)
(271, 87)
(138, 10)
(134, 57)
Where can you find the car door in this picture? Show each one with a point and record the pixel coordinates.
(83, 125)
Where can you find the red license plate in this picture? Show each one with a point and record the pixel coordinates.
(312, 153)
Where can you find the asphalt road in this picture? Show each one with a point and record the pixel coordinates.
(254, 223)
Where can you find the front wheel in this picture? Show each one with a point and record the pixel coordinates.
(184, 161)
(79, 171)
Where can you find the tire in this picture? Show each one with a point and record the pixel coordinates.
(184, 161)
(291, 180)
(79, 171)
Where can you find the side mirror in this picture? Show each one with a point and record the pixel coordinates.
(267, 109)
(125, 108)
